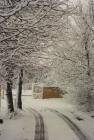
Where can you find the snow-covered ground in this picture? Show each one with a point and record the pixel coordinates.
(23, 125)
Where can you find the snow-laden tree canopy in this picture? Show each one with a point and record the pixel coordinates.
(27, 29)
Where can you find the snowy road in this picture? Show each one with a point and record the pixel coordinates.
(71, 124)
(40, 133)
(47, 120)
(39, 126)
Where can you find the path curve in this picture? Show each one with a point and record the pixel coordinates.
(40, 132)
(71, 124)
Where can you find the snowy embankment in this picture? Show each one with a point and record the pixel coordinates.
(23, 125)
(20, 127)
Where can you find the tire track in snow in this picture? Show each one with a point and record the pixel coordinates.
(71, 124)
(40, 133)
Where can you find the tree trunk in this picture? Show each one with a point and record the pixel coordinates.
(19, 99)
(9, 96)
(89, 88)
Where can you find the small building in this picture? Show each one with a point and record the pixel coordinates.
(52, 92)
(41, 92)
